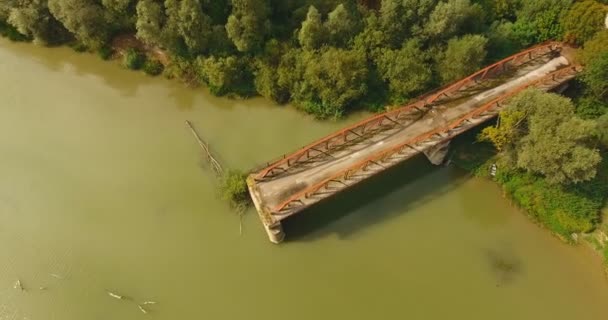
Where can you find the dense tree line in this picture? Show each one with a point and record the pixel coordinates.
(325, 56)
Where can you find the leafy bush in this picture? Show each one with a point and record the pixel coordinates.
(233, 188)
(105, 52)
(11, 33)
(133, 59)
(79, 47)
(153, 67)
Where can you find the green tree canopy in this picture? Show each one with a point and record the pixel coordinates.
(312, 33)
(33, 19)
(451, 18)
(602, 124)
(247, 25)
(595, 47)
(405, 70)
(595, 76)
(150, 21)
(539, 132)
(583, 20)
(220, 73)
(462, 57)
(538, 20)
(341, 26)
(337, 77)
(400, 19)
(194, 26)
(84, 18)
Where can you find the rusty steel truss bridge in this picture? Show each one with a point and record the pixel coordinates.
(331, 164)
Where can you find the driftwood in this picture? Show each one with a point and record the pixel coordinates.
(18, 285)
(215, 165)
(144, 311)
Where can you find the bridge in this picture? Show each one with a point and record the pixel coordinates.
(331, 164)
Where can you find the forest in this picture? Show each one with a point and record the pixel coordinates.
(332, 57)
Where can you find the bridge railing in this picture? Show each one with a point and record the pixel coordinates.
(381, 156)
(323, 145)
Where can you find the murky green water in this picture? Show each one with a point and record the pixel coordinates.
(101, 184)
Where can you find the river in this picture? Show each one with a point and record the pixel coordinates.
(102, 187)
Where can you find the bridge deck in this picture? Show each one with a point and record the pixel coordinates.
(331, 165)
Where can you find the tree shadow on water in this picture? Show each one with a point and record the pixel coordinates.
(398, 190)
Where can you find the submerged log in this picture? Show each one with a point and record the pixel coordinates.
(215, 165)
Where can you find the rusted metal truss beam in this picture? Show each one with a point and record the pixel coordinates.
(423, 101)
(553, 79)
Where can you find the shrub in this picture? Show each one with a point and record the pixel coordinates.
(153, 67)
(79, 47)
(133, 59)
(105, 52)
(8, 31)
(233, 188)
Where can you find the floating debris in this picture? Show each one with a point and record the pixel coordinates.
(42, 288)
(54, 275)
(149, 302)
(114, 295)
(18, 285)
(142, 309)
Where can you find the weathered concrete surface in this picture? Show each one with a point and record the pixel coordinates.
(436, 154)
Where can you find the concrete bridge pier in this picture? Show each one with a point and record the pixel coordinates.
(437, 153)
(275, 232)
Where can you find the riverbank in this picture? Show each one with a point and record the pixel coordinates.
(575, 214)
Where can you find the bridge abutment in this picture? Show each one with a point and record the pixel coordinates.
(437, 153)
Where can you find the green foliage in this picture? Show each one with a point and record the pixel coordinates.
(507, 132)
(583, 20)
(10, 32)
(233, 188)
(33, 19)
(462, 57)
(452, 18)
(595, 47)
(312, 33)
(133, 59)
(538, 20)
(225, 75)
(602, 124)
(331, 81)
(595, 76)
(406, 70)
(541, 135)
(153, 67)
(502, 41)
(150, 19)
(105, 52)
(563, 210)
(400, 19)
(185, 70)
(79, 46)
(247, 25)
(341, 26)
(194, 26)
(85, 19)
(590, 107)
